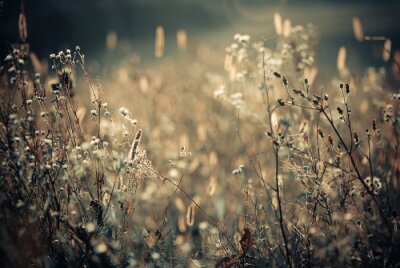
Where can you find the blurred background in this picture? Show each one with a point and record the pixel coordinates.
(54, 25)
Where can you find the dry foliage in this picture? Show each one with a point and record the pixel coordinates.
(264, 166)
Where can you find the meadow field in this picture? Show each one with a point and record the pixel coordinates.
(209, 153)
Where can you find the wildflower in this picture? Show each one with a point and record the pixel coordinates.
(155, 255)
(234, 46)
(19, 204)
(94, 142)
(203, 225)
(133, 122)
(238, 171)
(93, 113)
(90, 227)
(14, 108)
(219, 92)
(101, 248)
(237, 96)
(374, 184)
(12, 69)
(8, 58)
(123, 111)
(244, 38)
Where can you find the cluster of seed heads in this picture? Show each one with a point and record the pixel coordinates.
(239, 170)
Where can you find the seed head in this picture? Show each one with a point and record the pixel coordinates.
(135, 144)
(330, 139)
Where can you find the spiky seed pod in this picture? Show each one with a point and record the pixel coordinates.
(285, 81)
(347, 88)
(320, 133)
(356, 138)
(277, 75)
(135, 144)
(374, 124)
